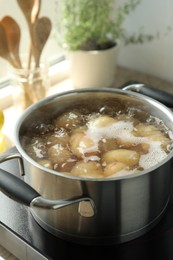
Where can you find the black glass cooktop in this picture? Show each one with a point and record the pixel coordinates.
(156, 244)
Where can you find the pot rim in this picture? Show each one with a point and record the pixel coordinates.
(43, 101)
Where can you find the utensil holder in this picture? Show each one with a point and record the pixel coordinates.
(29, 85)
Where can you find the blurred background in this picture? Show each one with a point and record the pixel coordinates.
(152, 16)
(155, 57)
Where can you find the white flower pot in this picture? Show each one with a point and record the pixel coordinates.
(93, 68)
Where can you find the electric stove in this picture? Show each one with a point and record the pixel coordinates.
(22, 235)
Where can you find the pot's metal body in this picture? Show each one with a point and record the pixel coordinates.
(125, 207)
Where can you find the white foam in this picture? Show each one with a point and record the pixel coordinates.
(120, 129)
(114, 130)
(123, 130)
(154, 156)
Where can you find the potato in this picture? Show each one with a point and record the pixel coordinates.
(58, 137)
(79, 129)
(81, 145)
(69, 120)
(102, 121)
(113, 168)
(145, 130)
(128, 157)
(87, 169)
(165, 143)
(141, 148)
(159, 137)
(46, 163)
(124, 143)
(59, 154)
(66, 166)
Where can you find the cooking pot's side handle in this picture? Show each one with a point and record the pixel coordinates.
(56, 204)
(16, 189)
(8, 156)
(20, 191)
(163, 96)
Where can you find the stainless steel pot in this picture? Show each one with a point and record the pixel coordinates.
(90, 211)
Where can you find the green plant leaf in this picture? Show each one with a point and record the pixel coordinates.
(94, 25)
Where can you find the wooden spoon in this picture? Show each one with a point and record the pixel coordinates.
(27, 7)
(41, 32)
(35, 11)
(12, 31)
(31, 11)
(4, 50)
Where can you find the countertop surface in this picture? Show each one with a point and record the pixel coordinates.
(124, 75)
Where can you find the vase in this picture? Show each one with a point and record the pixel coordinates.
(93, 68)
(29, 85)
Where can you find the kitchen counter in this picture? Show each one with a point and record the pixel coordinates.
(6, 255)
(123, 75)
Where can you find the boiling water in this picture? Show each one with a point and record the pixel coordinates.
(99, 144)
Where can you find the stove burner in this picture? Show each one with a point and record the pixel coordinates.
(18, 221)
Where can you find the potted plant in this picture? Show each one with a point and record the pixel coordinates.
(90, 31)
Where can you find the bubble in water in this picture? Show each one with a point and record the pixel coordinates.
(154, 156)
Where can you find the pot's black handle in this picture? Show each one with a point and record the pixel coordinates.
(16, 189)
(162, 96)
(20, 191)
